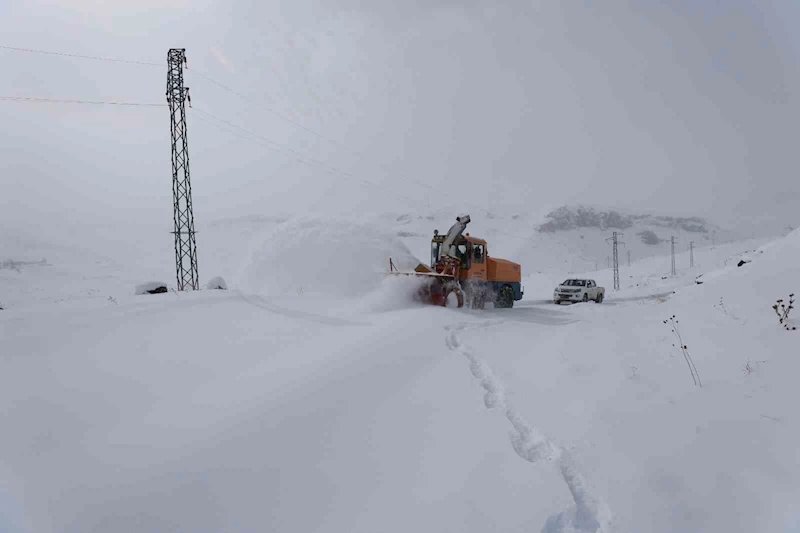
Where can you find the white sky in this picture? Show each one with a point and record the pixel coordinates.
(682, 107)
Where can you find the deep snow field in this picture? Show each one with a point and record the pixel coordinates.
(315, 396)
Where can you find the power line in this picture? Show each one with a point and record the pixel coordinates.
(300, 157)
(303, 158)
(278, 148)
(30, 99)
(270, 110)
(297, 156)
(251, 138)
(323, 137)
(224, 87)
(79, 56)
(231, 124)
(152, 64)
(248, 136)
(289, 152)
(195, 72)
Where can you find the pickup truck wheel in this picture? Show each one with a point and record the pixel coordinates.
(599, 298)
(585, 296)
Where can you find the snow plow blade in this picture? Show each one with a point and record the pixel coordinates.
(435, 288)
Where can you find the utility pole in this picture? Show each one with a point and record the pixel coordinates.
(608, 262)
(691, 253)
(629, 258)
(615, 243)
(672, 244)
(183, 217)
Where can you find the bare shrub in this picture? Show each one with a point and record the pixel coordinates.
(782, 310)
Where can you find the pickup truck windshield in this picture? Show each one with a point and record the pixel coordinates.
(574, 283)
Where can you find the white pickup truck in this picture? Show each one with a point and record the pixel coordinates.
(578, 290)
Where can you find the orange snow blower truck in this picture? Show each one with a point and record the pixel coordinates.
(461, 271)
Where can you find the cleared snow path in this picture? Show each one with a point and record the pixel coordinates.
(589, 515)
(546, 314)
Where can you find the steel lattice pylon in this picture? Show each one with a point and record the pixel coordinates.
(183, 217)
(616, 242)
(672, 252)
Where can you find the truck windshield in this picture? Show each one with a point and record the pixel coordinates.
(574, 283)
(434, 254)
(464, 256)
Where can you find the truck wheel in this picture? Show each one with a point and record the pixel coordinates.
(474, 296)
(505, 298)
(599, 298)
(453, 298)
(585, 297)
(478, 299)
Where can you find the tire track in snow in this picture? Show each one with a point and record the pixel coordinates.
(589, 514)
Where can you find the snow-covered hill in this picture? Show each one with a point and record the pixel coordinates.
(315, 396)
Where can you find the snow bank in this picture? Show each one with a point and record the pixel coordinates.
(771, 272)
(217, 283)
(664, 454)
(323, 257)
(149, 287)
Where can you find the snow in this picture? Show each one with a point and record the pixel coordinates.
(323, 258)
(588, 514)
(315, 395)
(217, 283)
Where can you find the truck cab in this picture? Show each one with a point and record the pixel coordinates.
(471, 252)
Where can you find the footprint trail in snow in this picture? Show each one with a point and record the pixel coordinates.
(589, 515)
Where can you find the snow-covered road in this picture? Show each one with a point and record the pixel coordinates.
(270, 419)
(288, 410)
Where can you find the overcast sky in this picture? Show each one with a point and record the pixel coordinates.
(682, 107)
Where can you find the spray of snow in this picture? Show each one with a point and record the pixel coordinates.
(393, 293)
(335, 258)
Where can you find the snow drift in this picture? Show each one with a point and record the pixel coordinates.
(217, 283)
